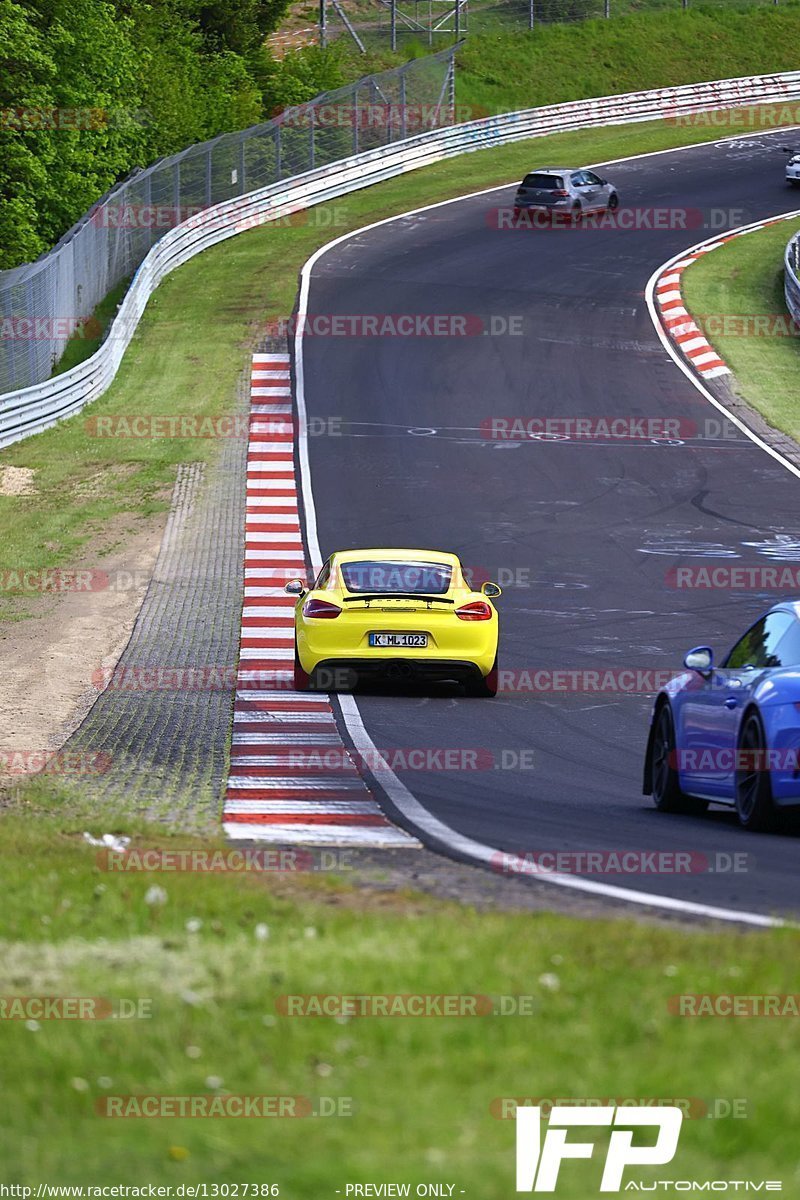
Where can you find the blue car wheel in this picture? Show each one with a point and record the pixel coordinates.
(667, 794)
(753, 791)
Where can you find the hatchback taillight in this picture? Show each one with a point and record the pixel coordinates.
(478, 610)
(320, 608)
(561, 192)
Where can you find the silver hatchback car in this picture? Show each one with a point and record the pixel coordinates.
(565, 191)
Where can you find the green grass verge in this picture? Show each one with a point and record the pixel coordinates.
(82, 345)
(511, 69)
(194, 340)
(741, 281)
(421, 1089)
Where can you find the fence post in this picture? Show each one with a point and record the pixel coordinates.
(32, 364)
(148, 200)
(394, 24)
(311, 140)
(403, 125)
(176, 191)
(355, 120)
(531, 14)
(208, 179)
(242, 162)
(607, 9)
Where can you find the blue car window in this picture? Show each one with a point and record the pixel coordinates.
(789, 646)
(759, 646)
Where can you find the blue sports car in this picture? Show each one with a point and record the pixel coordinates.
(731, 734)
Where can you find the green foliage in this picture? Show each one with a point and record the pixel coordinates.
(299, 77)
(90, 89)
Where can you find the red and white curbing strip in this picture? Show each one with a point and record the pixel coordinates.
(278, 789)
(676, 318)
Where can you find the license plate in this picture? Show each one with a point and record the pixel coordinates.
(398, 641)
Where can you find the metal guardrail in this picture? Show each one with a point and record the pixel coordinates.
(32, 409)
(792, 278)
(43, 302)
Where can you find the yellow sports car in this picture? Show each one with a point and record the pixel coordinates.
(400, 615)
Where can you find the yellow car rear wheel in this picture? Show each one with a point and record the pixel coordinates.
(302, 679)
(485, 686)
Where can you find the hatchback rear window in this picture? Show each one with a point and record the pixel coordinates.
(425, 578)
(548, 183)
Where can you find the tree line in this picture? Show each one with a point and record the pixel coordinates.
(91, 89)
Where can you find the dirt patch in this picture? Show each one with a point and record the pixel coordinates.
(17, 481)
(48, 660)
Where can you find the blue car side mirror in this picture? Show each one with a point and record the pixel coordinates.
(700, 659)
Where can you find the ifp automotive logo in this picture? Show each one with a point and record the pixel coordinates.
(539, 1162)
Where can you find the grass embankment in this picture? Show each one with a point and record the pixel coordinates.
(509, 70)
(727, 291)
(599, 1026)
(502, 67)
(84, 343)
(194, 339)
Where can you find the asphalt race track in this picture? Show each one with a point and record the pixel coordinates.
(582, 533)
